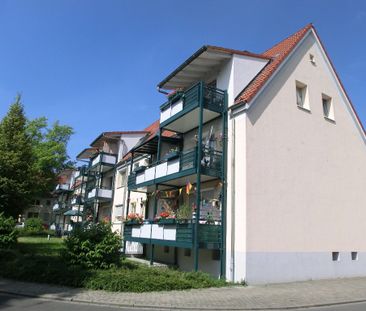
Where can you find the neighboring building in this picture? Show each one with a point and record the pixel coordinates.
(41, 208)
(63, 193)
(106, 150)
(265, 170)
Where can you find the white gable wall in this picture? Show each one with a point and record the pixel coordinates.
(306, 179)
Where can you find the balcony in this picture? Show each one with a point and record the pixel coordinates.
(175, 167)
(106, 160)
(77, 201)
(181, 113)
(82, 171)
(178, 234)
(63, 187)
(100, 194)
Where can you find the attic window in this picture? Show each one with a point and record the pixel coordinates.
(328, 109)
(312, 59)
(302, 99)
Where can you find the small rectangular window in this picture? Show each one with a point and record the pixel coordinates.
(187, 252)
(354, 255)
(302, 100)
(166, 249)
(328, 110)
(335, 256)
(121, 178)
(216, 254)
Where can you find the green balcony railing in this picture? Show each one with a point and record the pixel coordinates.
(184, 164)
(178, 234)
(183, 102)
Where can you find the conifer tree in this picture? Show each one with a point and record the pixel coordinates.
(16, 161)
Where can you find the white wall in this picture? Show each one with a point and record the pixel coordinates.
(306, 178)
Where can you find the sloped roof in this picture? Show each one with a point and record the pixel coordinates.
(113, 135)
(278, 54)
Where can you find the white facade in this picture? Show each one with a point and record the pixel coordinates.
(301, 178)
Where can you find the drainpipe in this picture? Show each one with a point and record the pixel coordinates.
(232, 248)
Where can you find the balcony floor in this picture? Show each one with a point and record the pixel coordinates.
(184, 121)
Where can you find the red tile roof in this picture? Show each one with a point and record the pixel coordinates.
(278, 53)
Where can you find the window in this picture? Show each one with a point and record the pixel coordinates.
(48, 202)
(312, 59)
(302, 100)
(354, 255)
(32, 215)
(166, 249)
(37, 202)
(336, 256)
(328, 110)
(187, 252)
(121, 179)
(216, 254)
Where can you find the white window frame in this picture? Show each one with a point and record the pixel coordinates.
(302, 96)
(327, 101)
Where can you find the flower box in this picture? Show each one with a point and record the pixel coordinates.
(132, 222)
(172, 155)
(139, 169)
(166, 221)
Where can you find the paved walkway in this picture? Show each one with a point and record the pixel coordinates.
(270, 297)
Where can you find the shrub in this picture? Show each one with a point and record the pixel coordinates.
(94, 246)
(33, 226)
(8, 234)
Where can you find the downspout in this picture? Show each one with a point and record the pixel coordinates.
(232, 248)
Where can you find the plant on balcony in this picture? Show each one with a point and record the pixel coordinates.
(139, 169)
(134, 219)
(172, 154)
(165, 218)
(184, 212)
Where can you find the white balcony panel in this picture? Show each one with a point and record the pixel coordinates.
(165, 114)
(92, 193)
(109, 159)
(145, 231)
(136, 232)
(150, 173)
(173, 166)
(161, 170)
(170, 233)
(105, 193)
(134, 248)
(140, 177)
(157, 232)
(96, 160)
(176, 107)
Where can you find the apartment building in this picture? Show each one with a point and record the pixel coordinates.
(261, 178)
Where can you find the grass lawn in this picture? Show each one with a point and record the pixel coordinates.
(37, 259)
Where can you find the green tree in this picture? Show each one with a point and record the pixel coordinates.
(50, 152)
(16, 161)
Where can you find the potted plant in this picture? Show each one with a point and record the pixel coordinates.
(184, 213)
(139, 169)
(166, 218)
(172, 154)
(134, 219)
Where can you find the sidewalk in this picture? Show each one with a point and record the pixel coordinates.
(278, 296)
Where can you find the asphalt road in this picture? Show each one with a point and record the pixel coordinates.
(18, 303)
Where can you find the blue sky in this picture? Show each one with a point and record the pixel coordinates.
(94, 65)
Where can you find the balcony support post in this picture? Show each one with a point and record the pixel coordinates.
(152, 248)
(98, 185)
(198, 179)
(127, 206)
(223, 190)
